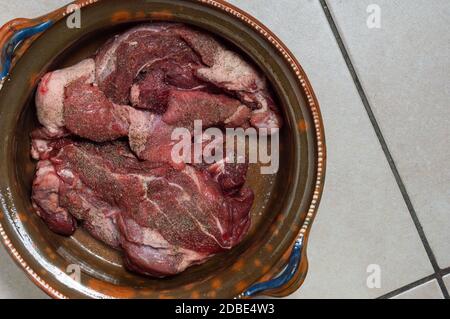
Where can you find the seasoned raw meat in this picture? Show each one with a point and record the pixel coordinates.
(104, 149)
(50, 93)
(184, 107)
(144, 64)
(145, 208)
(151, 52)
(227, 70)
(89, 114)
(46, 200)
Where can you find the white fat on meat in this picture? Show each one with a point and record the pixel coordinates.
(234, 74)
(140, 128)
(50, 93)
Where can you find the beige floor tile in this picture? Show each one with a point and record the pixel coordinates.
(447, 281)
(428, 290)
(13, 281)
(27, 9)
(404, 67)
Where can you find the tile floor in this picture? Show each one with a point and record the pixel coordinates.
(428, 290)
(384, 95)
(447, 281)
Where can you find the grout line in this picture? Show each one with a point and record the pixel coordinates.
(410, 286)
(385, 148)
(445, 271)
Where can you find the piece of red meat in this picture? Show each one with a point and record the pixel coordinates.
(89, 114)
(46, 200)
(150, 49)
(50, 94)
(184, 107)
(151, 89)
(151, 210)
(145, 63)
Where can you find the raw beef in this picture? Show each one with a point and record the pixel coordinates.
(46, 200)
(163, 218)
(214, 110)
(163, 55)
(104, 150)
(150, 135)
(153, 54)
(89, 114)
(50, 93)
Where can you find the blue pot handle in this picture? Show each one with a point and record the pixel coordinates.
(7, 52)
(282, 279)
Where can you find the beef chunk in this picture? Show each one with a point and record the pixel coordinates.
(86, 107)
(50, 93)
(45, 198)
(151, 52)
(164, 219)
(227, 70)
(184, 107)
(144, 64)
(152, 91)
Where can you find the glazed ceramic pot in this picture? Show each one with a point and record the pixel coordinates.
(271, 260)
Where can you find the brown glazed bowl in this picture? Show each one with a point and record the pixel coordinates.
(285, 204)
